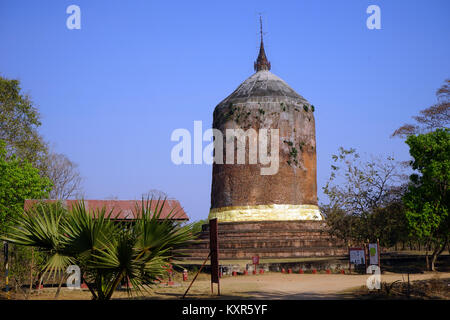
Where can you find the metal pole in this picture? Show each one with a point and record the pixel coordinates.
(204, 262)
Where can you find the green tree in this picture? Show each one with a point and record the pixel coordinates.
(19, 121)
(197, 226)
(428, 196)
(19, 180)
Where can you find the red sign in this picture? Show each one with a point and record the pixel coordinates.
(255, 259)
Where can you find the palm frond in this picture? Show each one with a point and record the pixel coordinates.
(38, 227)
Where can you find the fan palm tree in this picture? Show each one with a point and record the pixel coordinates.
(106, 250)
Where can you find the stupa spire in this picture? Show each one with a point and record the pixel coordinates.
(261, 63)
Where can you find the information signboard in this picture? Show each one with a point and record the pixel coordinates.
(373, 253)
(357, 256)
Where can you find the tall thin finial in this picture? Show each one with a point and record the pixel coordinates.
(260, 28)
(261, 63)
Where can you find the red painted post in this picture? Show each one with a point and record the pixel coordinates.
(255, 261)
(170, 282)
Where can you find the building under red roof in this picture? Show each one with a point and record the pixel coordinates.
(123, 209)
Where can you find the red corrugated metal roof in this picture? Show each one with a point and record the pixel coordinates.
(124, 209)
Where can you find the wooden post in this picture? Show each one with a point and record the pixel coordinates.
(214, 252)
(349, 262)
(379, 254)
(218, 288)
(366, 248)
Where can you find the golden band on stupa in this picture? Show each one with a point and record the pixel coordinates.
(272, 212)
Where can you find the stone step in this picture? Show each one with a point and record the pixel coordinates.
(265, 243)
(268, 234)
(269, 239)
(269, 230)
(269, 225)
(269, 253)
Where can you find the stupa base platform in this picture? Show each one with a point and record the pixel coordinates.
(268, 240)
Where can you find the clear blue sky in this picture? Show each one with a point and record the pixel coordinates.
(111, 93)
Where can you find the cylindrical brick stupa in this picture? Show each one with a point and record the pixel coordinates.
(239, 191)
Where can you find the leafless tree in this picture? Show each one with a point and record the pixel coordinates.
(358, 186)
(65, 177)
(431, 118)
(155, 194)
(365, 197)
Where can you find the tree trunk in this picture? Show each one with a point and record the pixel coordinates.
(59, 286)
(40, 283)
(433, 260)
(427, 260)
(94, 295)
(19, 287)
(443, 248)
(114, 285)
(436, 252)
(31, 270)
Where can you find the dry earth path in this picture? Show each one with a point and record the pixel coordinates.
(266, 286)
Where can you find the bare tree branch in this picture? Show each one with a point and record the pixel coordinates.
(65, 177)
(432, 118)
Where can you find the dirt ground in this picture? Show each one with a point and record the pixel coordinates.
(265, 286)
